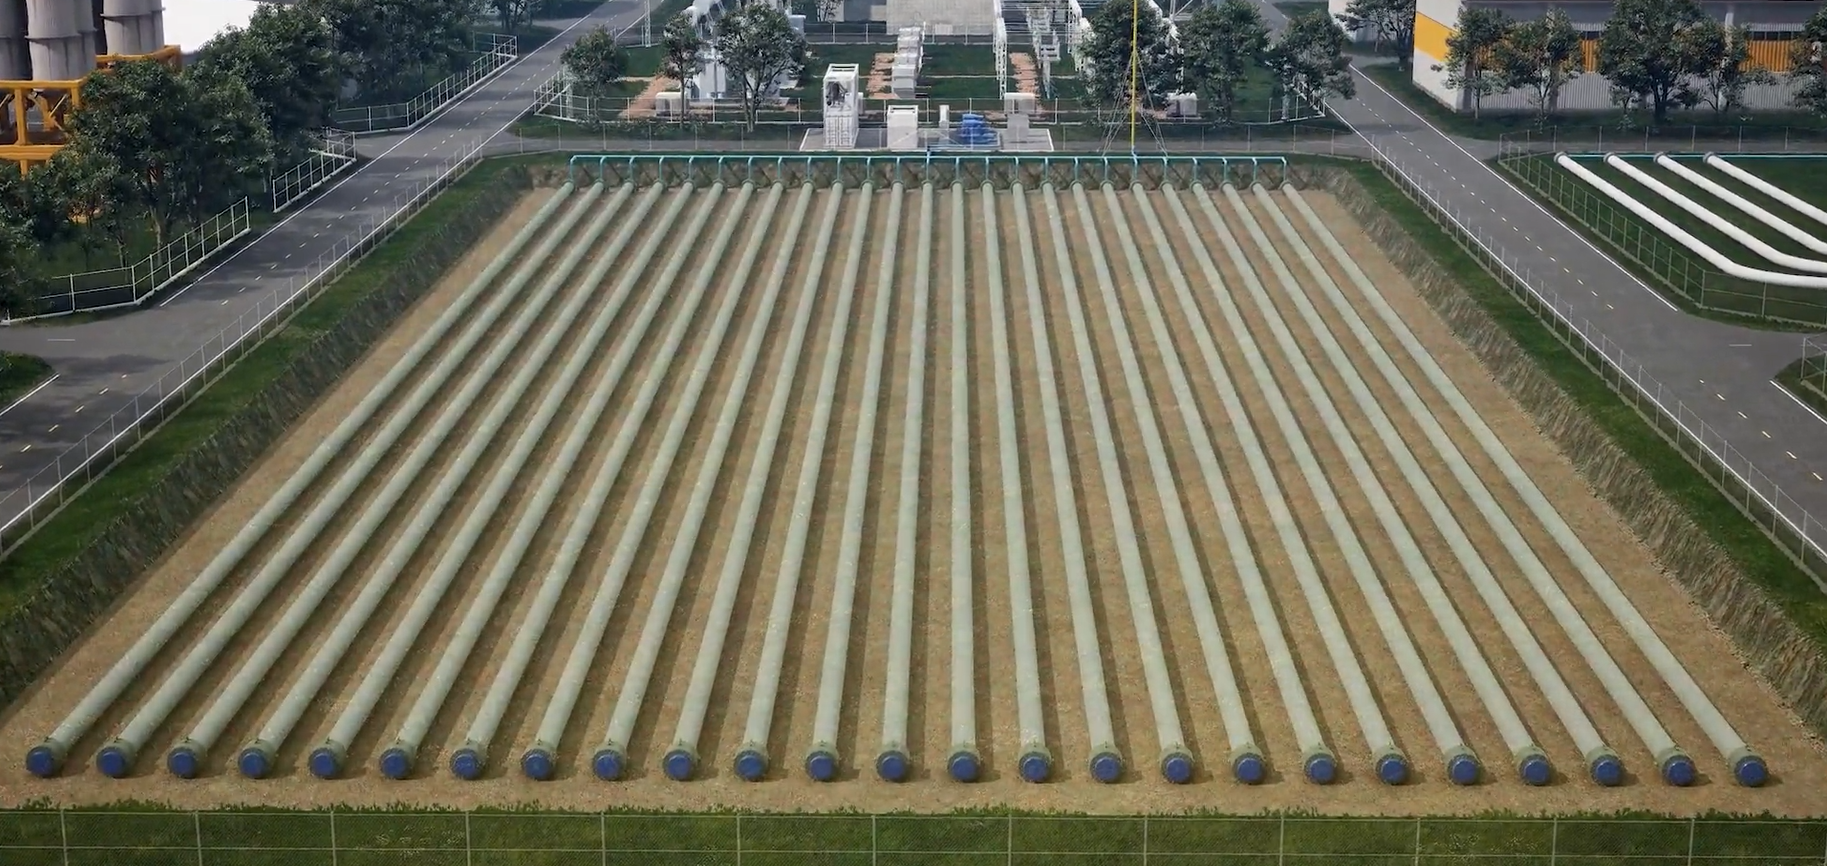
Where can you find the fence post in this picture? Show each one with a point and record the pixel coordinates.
(1554, 841)
(333, 852)
(1417, 842)
(602, 835)
(469, 856)
(1144, 840)
(1281, 843)
(872, 841)
(738, 839)
(196, 827)
(1692, 822)
(1008, 841)
(63, 828)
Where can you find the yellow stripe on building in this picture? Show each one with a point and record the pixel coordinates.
(1771, 54)
(1431, 36)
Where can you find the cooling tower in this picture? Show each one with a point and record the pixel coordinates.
(62, 37)
(15, 60)
(133, 26)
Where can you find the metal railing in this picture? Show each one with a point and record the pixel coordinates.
(1666, 261)
(1673, 139)
(494, 53)
(132, 284)
(331, 153)
(1814, 366)
(509, 839)
(1799, 533)
(25, 508)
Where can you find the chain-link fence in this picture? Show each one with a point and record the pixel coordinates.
(1667, 139)
(1814, 365)
(494, 52)
(539, 839)
(125, 286)
(1664, 260)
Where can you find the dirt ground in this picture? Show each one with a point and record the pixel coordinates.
(909, 277)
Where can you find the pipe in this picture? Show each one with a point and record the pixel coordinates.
(964, 762)
(751, 763)
(611, 757)
(1106, 763)
(681, 760)
(1783, 226)
(1744, 238)
(1695, 245)
(892, 763)
(46, 758)
(537, 761)
(185, 759)
(471, 759)
(326, 760)
(116, 759)
(1246, 759)
(1318, 762)
(1748, 768)
(1767, 188)
(1530, 761)
(1035, 763)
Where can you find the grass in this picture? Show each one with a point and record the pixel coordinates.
(157, 837)
(69, 532)
(1760, 559)
(1684, 277)
(19, 374)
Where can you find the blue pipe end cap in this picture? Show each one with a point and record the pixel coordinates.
(1321, 769)
(608, 764)
(537, 765)
(324, 764)
(254, 763)
(1392, 769)
(466, 764)
(42, 761)
(114, 762)
(1607, 770)
(965, 766)
(1177, 768)
(396, 763)
(751, 765)
(680, 765)
(1249, 768)
(1679, 770)
(821, 766)
(891, 766)
(1535, 770)
(183, 762)
(1751, 771)
(1463, 770)
(1035, 767)
(1106, 767)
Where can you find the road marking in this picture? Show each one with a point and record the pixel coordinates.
(80, 408)
(60, 339)
(1741, 414)
(1798, 401)
(1791, 455)
(1719, 395)
(27, 447)
(28, 395)
(1739, 345)
(53, 428)
(1765, 432)
(1817, 476)
(104, 390)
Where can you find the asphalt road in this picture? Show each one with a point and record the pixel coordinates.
(102, 366)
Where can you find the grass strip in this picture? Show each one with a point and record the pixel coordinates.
(19, 374)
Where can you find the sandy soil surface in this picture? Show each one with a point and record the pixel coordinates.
(643, 105)
(881, 77)
(647, 517)
(1027, 75)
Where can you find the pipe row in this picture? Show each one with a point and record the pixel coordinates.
(1748, 768)
(254, 761)
(751, 763)
(964, 762)
(821, 761)
(1035, 763)
(116, 759)
(1744, 205)
(1106, 762)
(1788, 198)
(326, 759)
(681, 760)
(538, 760)
(46, 758)
(1246, 760)
(1725, 227)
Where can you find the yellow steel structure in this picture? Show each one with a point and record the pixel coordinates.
(34, 115)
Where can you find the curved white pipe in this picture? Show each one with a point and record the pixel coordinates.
(1695, 245)
(1788, 229)
(1744, 238)
(1768, 188)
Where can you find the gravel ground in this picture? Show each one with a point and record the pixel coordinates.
(1187, 691)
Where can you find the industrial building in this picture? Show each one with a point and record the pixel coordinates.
(47, 48)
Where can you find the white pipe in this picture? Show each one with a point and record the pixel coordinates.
(1695, 245)
(1767, 188)
(46, 758)
(963, 762)
(1744, 238)
(1783, 226)
(1747, 767)
(751, 763)
(1106, 763)
(681, 759)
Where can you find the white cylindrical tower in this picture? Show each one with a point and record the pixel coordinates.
(133, 26)
(62, 37)
(15, 58)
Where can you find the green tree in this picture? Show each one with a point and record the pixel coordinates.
(681, 55)
(594, 62)
(1222, 44)
(389, 46)
(1471, 53)
(1647, 53)
(19, 272)
(33, 203)
(1541, 56)
(1310, 58)
(1808, 65)
(759, 48)
(94, 191)
(1122, 49)
(1391, 24)
(514, 13)
(1724, 56)
(287, 58)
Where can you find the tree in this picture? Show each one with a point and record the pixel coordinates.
(1471, 53)
(1808, 66)
(287, 58)
(388, 45)
(1391, 24)
(1646, 52)
(681, 55)
(595, 62)
(1310, 58)
(1541, 56)
(1724, 56)
(513, 13)
(1107, 63)
(1221, 44)
(759, 49)
(19, 274)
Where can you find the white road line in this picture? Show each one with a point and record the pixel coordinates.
(28, 395)
(1798, 401)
